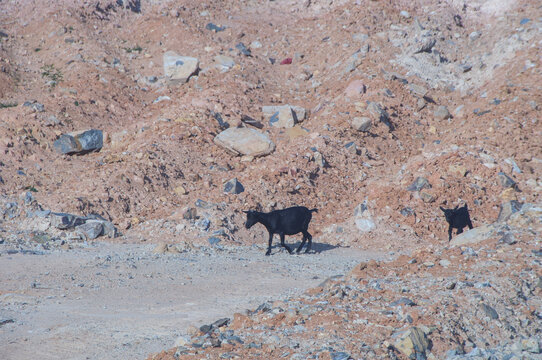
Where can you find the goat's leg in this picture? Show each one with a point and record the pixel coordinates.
(270, 242)
(302, 243)
(450, 233)
(309, 237)
(284, 244)
(459, 231)
(469, 223)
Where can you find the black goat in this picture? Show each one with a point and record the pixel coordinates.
(283, 222)
(457, 218)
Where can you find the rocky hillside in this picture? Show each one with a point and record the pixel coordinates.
(376, 113)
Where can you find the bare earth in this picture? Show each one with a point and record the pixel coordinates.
(112, 301)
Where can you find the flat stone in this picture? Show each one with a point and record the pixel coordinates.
(507, 209)
(80, 143)
(413, 343)
(90, 230)
(489, 311)
(178, 69)
(506, 181)
(442, 113)
(419, 184)
(365, 224)
(63, 221)
(233, 187)
(245, 141)
(272, 113)
(474, 236)
(379, 113)
(224, 63)
(417, 90)
(403, 301)
(355, 88)
(361, 124)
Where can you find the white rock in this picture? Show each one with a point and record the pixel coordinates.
(179, 68)
(245, 141)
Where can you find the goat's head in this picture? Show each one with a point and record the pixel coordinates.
(251, 218)
(449, 213)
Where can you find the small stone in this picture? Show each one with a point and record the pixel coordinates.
(284, 119)
(379, 114)
(365, 224)
(442, 113)
(405, 14)
(413, 343)
(273, 114)
(355, 88)
(255, 45)
(178, 69)
(233, 186)
(509, 195)
(215, 28)
(243, 49)
(426, 197)
(206, 328)
(90, 230)
(161, 248)
(80, 143)
(361, 124)
(340, 356)
(213, 240)
(190, 214)
(417, 90)
(180, 190)
(245, 141)
(420, 104)
(419, 184)
(63, 221)
(319, 159)
(489, 311)
(426, 45)
(508, 239)
(506, 181)
(224, 63)
(403, 301)
(507, 209)
(474, 35)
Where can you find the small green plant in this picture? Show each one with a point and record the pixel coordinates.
(53, 74)
(7, 105)
(134, 49)
(37, 49)
(31, 188)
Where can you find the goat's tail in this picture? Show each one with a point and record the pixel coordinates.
(313, 210)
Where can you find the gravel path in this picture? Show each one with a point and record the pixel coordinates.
(112, 301)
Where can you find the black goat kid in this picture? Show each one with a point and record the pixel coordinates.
(457, 218)
(283, 222)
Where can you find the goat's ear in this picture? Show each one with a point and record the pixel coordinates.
(443, 209)
(457, 206)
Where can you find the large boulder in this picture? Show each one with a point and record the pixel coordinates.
(79, 143)
(245, 141)
(178, 68)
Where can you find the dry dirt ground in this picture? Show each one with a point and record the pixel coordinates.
(449, 94)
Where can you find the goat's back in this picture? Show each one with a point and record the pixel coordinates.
(291, 220)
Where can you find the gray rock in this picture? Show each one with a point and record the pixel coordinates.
(274, 113)
(531, 345)
(379, 113)
(79, 143)
(178, 69)
(417, 90)
(90, 230)
(361, 124)
(340, 356)
(515, 167)
(233, 187)
(413, 343)
(474, 236)
(419, 184)
(203, 224)
(243, 49)
(403, 301)
(255, 44)
(474, 35)
(489, 311)
(215, 28)
(506, 181)
(109, 229)
(442, 113)
(405, 14)
(365, 224)
(319, 159)
(507, 209)
(213, 240)
(63, 221)
(245, 141)
(34, 105)
(224, 63)
(508, 238)
(426, 45)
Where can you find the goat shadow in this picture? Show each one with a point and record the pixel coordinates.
(316, 248)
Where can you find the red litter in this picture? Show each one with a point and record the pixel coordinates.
(286, 61)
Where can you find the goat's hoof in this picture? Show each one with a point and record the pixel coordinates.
(268, 253)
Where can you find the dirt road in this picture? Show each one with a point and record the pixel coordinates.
(112, 301)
